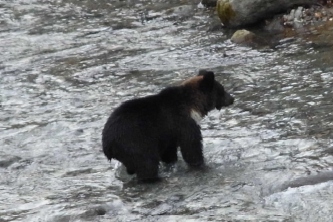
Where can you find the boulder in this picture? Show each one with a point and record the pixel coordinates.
(236, 13)
(247, 38)
(243, 37)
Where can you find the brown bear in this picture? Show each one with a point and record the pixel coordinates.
(144, 131)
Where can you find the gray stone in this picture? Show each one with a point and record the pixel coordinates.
(7, 160)
(298, 13)
(242, 36)
(247, 38)
(291, 15)
(235, 13)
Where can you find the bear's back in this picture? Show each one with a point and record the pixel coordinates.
(151, 115)
(169, 102)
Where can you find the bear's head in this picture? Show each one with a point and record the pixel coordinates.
(207, 93)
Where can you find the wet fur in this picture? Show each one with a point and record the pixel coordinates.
(142, 132)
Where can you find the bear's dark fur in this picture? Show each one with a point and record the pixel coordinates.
(142, 132)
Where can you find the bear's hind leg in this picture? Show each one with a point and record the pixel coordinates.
(147, 171)
(130, 170)
(128, 163)
(170, 155)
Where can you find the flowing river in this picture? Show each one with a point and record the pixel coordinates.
(66, 64)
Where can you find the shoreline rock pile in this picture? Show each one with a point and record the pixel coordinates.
(297, 13)
(313, 15)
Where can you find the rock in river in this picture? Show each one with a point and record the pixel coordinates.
(247, 38)
(235, 13)
(242, 36)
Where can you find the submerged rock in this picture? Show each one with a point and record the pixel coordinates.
(309, 180)
(247, 38)
(234, 13)
(7, 160)
(242, 36)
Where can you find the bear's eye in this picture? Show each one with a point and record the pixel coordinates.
(219, 89)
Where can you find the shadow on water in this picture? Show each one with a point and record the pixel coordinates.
(65, 65)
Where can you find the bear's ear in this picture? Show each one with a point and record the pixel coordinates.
(208, 80)
(202, 72)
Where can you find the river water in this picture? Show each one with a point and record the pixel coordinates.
(66, 64)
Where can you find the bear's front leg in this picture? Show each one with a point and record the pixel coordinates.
(191, 144)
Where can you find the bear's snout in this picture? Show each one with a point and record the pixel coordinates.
(225, 101)
(229, 100)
